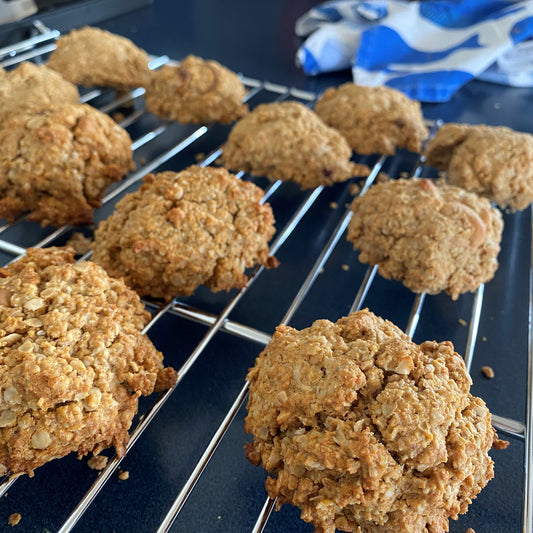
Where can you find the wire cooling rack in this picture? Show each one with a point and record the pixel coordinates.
(185, 462)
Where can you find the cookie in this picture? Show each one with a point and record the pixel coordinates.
(362, 428)
(58, 162)
(196, 91)
(201, 226)
(373, 119)
(91, 56)
(287, 141)
(74, 362)
(492, 161)
(34, 86)
(431, 238)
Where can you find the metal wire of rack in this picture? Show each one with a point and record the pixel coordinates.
(159, 143)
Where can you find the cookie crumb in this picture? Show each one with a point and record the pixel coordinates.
(345, 267)
(470, 530)
(97, 462)
(142, 160)
(123, 475)
(199, 156)
(404, 174)
(80, 243)
(500, 444)
(14, 519)
(484, 339)
(488, 372)
(333, 205)
(118, 116)
(462, 321)
(354, 189)
(321, 271)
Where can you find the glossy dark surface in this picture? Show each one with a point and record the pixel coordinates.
(257, 39)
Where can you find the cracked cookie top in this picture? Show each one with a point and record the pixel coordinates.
(73, 360)
(34, 86)
(181, 230)
(288, 141)
(373, 119)
(431, 237)
(57, 162)
(360, 427)
(196, 91)
(492, 161)
(91, 56)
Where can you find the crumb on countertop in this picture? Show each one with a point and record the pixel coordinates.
(345, 267)
(14, 519)
(123, 475)
(484, 339)
(97, 462)
(354, 189)
(199, 156)
(333, 205)
(488, 372)
(462, 321)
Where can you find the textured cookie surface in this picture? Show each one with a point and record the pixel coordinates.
(288, 141)
(91, 56)
(362, 428)
(30, 86)
(431, 238)
(373, 119)
(73, 360)
(493, 161)
(182, 230)
(196, 91)
(57, 163)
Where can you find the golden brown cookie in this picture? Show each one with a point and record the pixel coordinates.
(360, 427)
(73, 360)
(287, 141)
(373, 119)
(196, 91)
(31, 86)
(431, 238)
(91, 56)
(493, 161)
(58, 162)
(185, 229)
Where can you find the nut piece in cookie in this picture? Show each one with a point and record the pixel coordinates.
(362, 428)
(431, 238)
(58, 162)
(373, 119)
(492, 161)
(73, 360)
(185, 229)
(196, 91)
(30, 86)
(288, 141)
(91, 56)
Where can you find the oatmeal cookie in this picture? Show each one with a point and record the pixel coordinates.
(362, 428)
(73, 360)
(196, 91)
(288, 141)
(493, 161)
(91, 56)
(185, 229)
(57, 163)
(32, 86)
(373, 119)
(431, 238)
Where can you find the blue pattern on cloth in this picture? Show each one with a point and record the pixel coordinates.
(426, 49)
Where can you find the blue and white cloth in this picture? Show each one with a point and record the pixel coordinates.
(426, 49)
